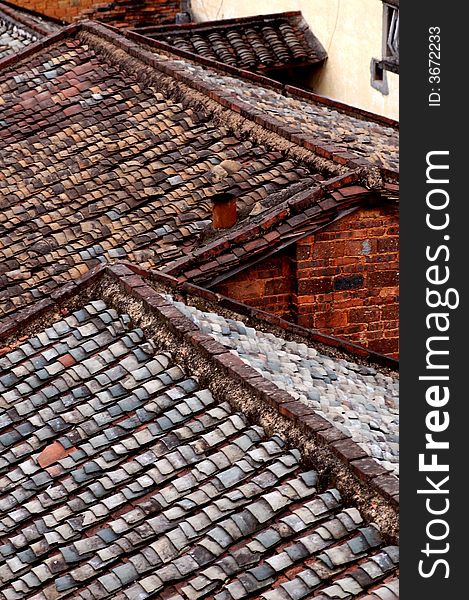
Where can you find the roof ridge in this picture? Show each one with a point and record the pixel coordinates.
(294, 205)
(243, 117)
(334, 451)
(284, 89)
(22, 319)
(49, 40)
(277, 228)
(192, 289)
(321, 155)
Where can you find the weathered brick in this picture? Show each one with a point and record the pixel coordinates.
(390, 312)
(348, 450)
(318, 285)
(329, 249)
(387, 346)
(341, 281)
(388, 244)
(277, 286)
(119, 12)
(348, 282)
(367, 468)
(363, 315)
(382, 279)
(267, 286)
(303, 251)
(330, 319)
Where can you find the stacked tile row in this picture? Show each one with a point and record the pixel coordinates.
(13, 37)
(120, 13)
(275, 43)
(358, 400)
(127, 13)
(271, 225)
(19, 29)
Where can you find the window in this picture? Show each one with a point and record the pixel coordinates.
(391, 37)
(390, 47)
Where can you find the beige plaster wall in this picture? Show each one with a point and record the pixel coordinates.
(350, 31)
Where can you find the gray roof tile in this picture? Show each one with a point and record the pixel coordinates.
(346, 400)
(222, 509)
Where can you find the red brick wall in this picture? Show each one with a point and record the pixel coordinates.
(268, 285)
(64, 10)
(121, 13)
(342, 281)
(347, 280)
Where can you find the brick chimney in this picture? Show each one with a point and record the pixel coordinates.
(224, 211)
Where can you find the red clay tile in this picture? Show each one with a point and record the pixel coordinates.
(67, 360)
(53, 453)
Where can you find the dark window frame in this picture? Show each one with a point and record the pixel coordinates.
(390, 52)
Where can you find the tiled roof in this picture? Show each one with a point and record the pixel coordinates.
(255, 43)
(276, 225)
(110, 152)
(127, 13)
(13, 38)
(329, 127)
(359, 400)
(126, 473)
(337, 133)
(343, 133)
(20, 29)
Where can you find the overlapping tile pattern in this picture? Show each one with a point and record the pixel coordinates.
(15, 34)
(377, 143)
(335, 128)
(13, 38)
(255, 43)
(19, 29)
(127, 13)
(359, 400)
(123, 478)
(271, 224)
(97, 166)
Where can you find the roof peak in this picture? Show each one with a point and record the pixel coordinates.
(21, 321)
